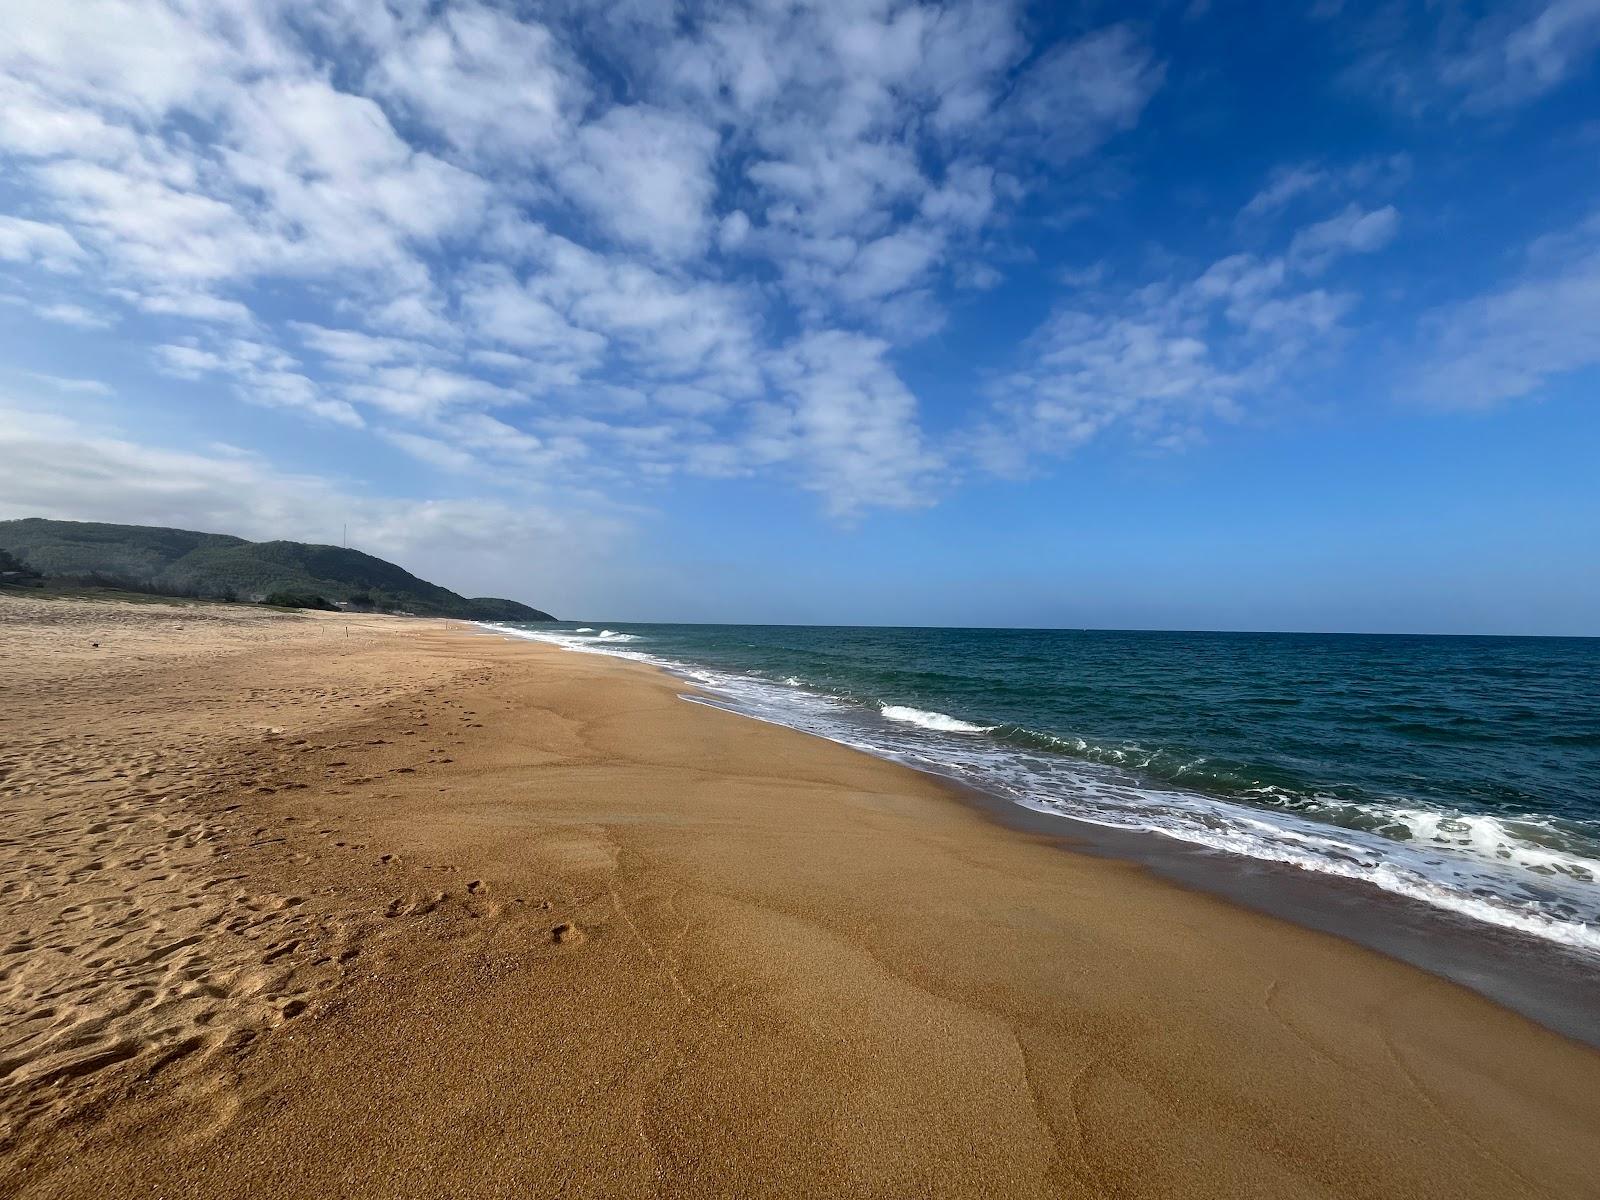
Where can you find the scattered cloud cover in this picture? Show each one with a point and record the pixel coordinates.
(1483, 59)
(482, 220)
(67, 469)
(1163, 360)
(1507, 344)
(858, 254)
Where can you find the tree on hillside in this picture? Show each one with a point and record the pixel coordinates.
(300, 600)
(13, 568)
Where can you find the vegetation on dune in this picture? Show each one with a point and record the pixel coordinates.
(13, 570)
(15, 573)
(300, 600)
(181, 562)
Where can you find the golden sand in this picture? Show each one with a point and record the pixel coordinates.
(323, 906)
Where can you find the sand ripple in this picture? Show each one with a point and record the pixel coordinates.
(138, 930)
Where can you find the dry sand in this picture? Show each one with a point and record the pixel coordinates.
(317, 906)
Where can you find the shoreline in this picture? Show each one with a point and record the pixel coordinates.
(332, 906)
(1539, 979)
(1544, 982)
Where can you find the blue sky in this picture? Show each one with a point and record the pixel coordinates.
(1194, 315)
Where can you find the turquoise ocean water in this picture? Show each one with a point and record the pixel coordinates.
(1458, 771)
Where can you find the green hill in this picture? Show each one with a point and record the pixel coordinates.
(181, 562)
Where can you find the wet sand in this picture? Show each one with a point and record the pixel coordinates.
(1555, 986)
(310, 906)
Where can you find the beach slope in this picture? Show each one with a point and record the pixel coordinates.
(310, 906)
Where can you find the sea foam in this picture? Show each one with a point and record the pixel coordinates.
(1517, 874)
(931, 720)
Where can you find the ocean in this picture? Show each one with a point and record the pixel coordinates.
(1462, 772)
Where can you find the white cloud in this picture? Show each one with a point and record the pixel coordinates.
(1154, 371)
(506, 311)
(421, 316)
(194, 303)
(261, 373)
(733, 230)
(831, 190)
(187, 362)
(645, 176)
(965, 198)
(891, 264)
(151, 229)
(1081, 92)
(1285, 185)
(492, 85)
(49, 246)
(424, 391)
(66, 313)
(692, 400)
(665, 325)
(35, 123)
(1513, 342)
(73, 386)
(351, 350)
(1301, 184)
(430, 450)
(1522, 54)
(61, 468)
(1164, 360)
(843, 106)
(296, 176)
(980, 277)
(1353, 231)
(850, 424)
(140, 59)
(1509, 54)
(342, 187)
(465, 231)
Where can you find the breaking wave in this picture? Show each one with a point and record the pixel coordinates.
(1525, 871)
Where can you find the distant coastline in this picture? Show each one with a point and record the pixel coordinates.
(186, 564)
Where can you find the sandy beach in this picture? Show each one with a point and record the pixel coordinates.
(318, 905)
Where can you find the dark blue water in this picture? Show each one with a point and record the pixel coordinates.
(1464, 772)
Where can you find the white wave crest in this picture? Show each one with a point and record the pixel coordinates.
(1391, 868)
(571, 641)
(584, 629)
(1521, 874)
(1494, 839)
(931, 720)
